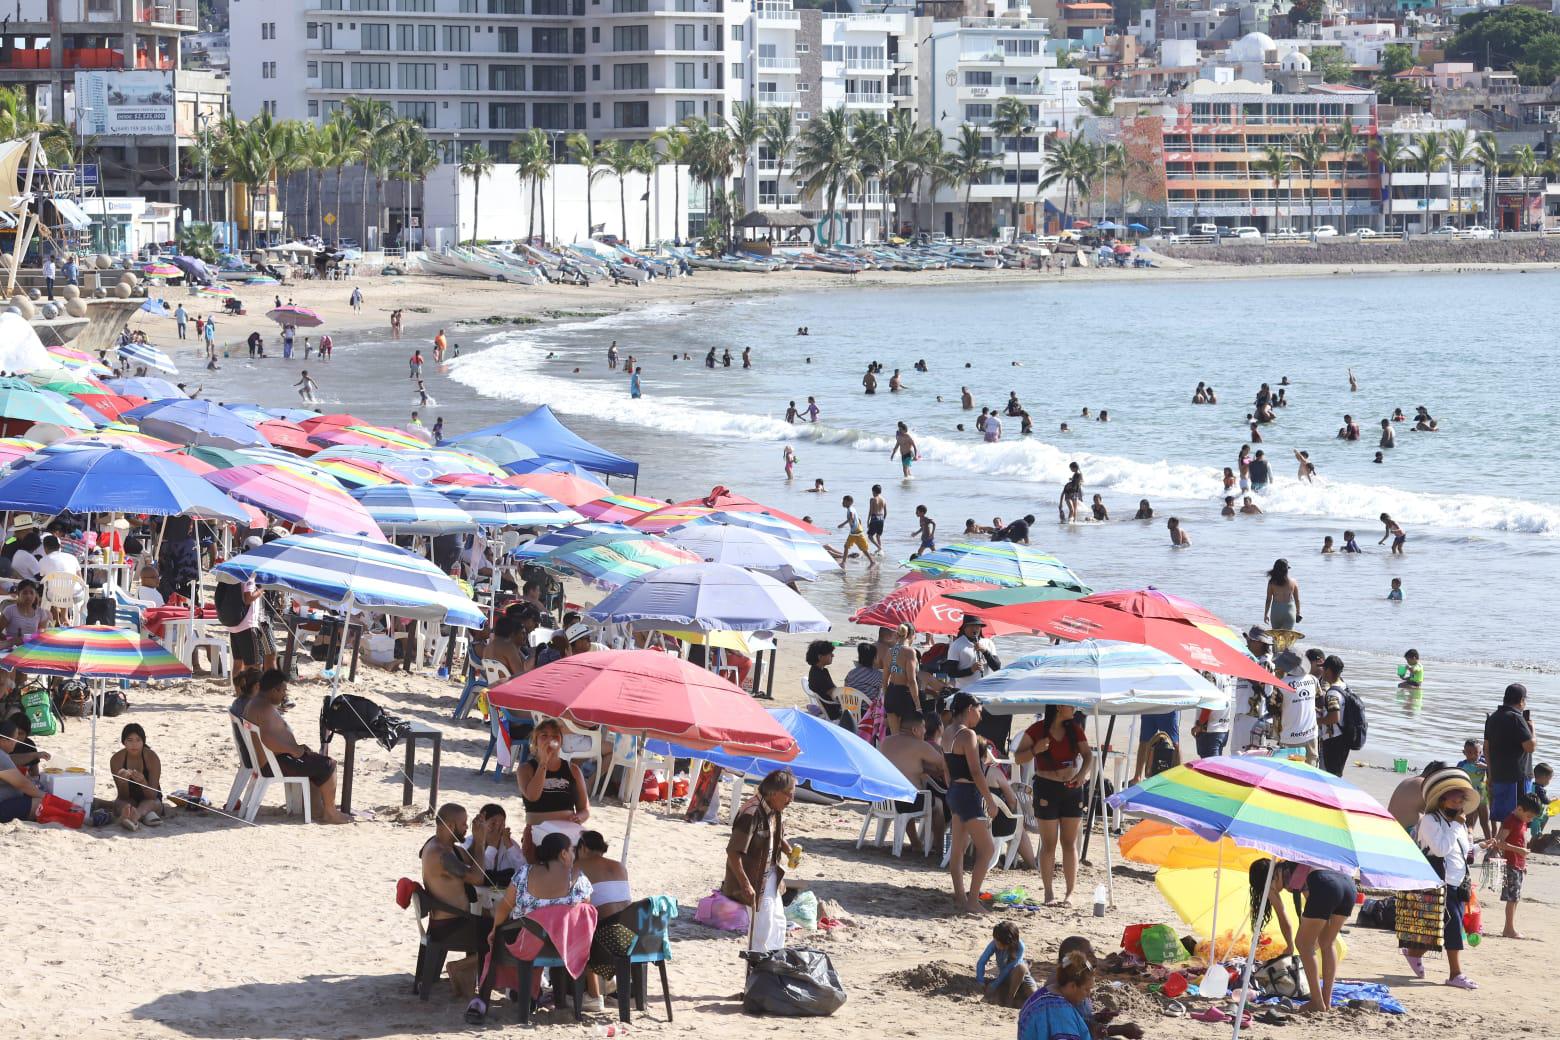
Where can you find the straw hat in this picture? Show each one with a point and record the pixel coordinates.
(1445, 781)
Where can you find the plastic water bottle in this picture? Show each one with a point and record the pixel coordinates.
(1099, 900)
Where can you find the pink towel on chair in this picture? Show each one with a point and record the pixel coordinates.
(570, 928)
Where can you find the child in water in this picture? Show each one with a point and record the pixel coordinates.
(1411, 672)
(1349, 544)
(1396, 595)
(1327, 546)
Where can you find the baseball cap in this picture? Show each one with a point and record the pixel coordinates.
(1258, 634)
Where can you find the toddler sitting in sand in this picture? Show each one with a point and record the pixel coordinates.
(1011, 986)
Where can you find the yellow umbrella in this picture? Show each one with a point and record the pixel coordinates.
(1155, 843)
(745, 643)
(1190, 893)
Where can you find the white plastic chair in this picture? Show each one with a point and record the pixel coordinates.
(854, 704)
(818, 702)
(217, 644)
(66, 593)
(1006, 849)
(887, 814)
(291, 785)
(580, 744)
(247, 774)
(624, 758)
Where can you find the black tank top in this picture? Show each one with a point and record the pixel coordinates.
(557, 791)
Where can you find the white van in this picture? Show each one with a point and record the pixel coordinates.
(1247, 233)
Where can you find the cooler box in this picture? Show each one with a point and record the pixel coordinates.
(75, 786)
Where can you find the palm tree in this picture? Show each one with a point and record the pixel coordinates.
(641, 158)
(616, 157)
(780, 139)
(869, 146)
(1346, 141)
(532, 153)
(339, 144)
(583, 152)
(1275, 164)
(1487, 153)
(1392, 151)
(1524, 164)
(746, 127)
(1430, 154)
(970, 163)
(18, 118)
(674, 148)
(912, 152)
(1011, 118)
(1073, 163)
(1115, 159)
(1459, 153)
(824, 160)
(711, 156)
(1309, 152)
(385, 150)
(476, 162)
(367, 117)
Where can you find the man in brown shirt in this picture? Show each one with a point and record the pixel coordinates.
(754, 869)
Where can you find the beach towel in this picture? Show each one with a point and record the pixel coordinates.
(569, 928)
(1343, 992)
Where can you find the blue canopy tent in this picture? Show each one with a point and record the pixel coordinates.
(541, 431)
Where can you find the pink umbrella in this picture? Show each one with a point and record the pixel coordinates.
(301, 499)
(291, 314)
(468, 480)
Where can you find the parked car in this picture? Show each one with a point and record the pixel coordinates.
(1447, 231)
(1478, 231)
(1365, 232)
(1324, 231)
(1210, 230)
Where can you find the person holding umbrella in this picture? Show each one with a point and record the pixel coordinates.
(755, 871)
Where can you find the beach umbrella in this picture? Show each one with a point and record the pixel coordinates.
(987, 598)
(1203, 896)
(617, 508)
(112, 480)
(367, 436)
(711, 596)
(570, 489)
(645, 694)
(13, 448)
(928, 607)
(830, 759)
(22, 405)
(743, 547)
(199, 467)
(292, 415)
(504, 451)
(335, 420)
(158, 306)
(295, 497)
(348, 573)
(481, 480)
(994, 563)
(356, 473)
(94, 652)
(662, 520)
(1155, 843)
(292, 463)
(249, 412)
(1102, 678)
(114, 406)
(74, 358)
(421, 465)
(66, 383)
(729, 501)
(147, 356)
(561, 536)
(505, 506)
(221, 289)
(115, 436)
(292, 314)
(1177, 626)
(409, 509)
(1137, 227)
(153, 388)
(157, 269)
(286, 435)
(195, 422)
(1289, 810)
(799, 540)
(540, 465)
(610, 561)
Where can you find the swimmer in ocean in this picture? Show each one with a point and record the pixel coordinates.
(904, 447)
(1178, 538)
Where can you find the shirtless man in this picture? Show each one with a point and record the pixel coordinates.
(869, 382)
(1249, 508)
(920, 763)
(966, 399)
(295, 759)
(1178, 538)
(895, 384)
(904, 447)
(877, 515)
(448, 866)
(502, 648)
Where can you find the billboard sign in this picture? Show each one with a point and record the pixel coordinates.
(129, 103)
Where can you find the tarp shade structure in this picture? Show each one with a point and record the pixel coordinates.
(72, 214)
(541, 431)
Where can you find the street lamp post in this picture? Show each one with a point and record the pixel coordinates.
(457, 187)
(202, 121)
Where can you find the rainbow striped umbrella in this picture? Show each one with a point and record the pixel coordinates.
(368, 436)
(608, 562)
(1289, 809)
(216, 289)
(996, 563)
(505, 506)
(71, 357)
(358, 473)
(421, 465)
(574, 532)
(659, 521)
(617, 508)
(13, 448)
(301, 499)
(95, 652)
(157, 269)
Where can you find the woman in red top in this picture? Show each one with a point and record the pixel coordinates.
(1059, 748)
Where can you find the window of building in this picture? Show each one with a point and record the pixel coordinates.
(631, 77)
(457, 38)
(416, 75)
(974, 112)
(468, 6)
(801, 48)
(414, 5)
(631, 37)
(550, 115)
(314, 108)
(630, 6)
(313, 70)
(630, 114)
(311, 31)
(268, 30)
(684, 110)
(738, 71)
(469, 78)
(327, 35)
(684, 38)
(595, 73)
(368, 5)
(406, 37)
(595, 34)
(550, 77)
(549, 41)
(506, 115)
(268, 70)
(972, 78)
(685, 5)
(508, 40)
(550, 7)
(374, 37)
(505, 7)
(595, 109)
(370, 75)
(804, 88)
(1020, 48)
(686, 80)
(330, 75)
(506, 77)
(470, 114)
(419, 112)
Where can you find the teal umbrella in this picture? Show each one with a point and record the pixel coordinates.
(21, 402)
(989, 598)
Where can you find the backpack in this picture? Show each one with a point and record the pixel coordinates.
(359, 717)
(1353, 721)
(231, 607)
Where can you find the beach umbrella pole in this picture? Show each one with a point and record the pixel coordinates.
(1097, 788)
(1251, 958)
(636, 781)
(1219, 989)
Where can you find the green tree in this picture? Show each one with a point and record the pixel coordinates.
(1459, 153)
(746, 129)
(1305, 11)
(615, 157)
(1525, 164)
(1430, 156)
(1395, 58)
(339, 144)
(970, 162)
(1332, 63)
(711, 158)
(532, 153)
(642, 158)
(368, 118)
(1500, 36)
(780, 138)
(1487, 153)
(1276, 166)
(1346, 142)
(583, 152)
(824, 160)
(1011, 119)
(1393, 153)
(1309, 152)
(674, 148)
(476, 162)
(1070, 162)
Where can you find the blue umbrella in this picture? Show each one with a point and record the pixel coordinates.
(406, 509)
(541, 465)
(148, 356)
(562, 536)
(505, 451)
(510, 507)
(291, 414)
(794, 538)
(832, 760)
(710, 597)
(113, 480)
(158, 306)
(195, 422)
(1099, 676)
(345, 572)
(153, 388)
(250, 413)
(1137, 227)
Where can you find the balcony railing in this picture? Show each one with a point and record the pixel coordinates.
(789, 198)
(779, 65)
(867, 64)
(779, 97)
(778, 14)
(872, 98)
(768, 165)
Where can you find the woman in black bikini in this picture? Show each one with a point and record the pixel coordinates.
(553, 790)
(901, 686)
(1323, 900)
(137, 773)
(971, 803)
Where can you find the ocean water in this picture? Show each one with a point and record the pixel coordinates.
(1477, 499)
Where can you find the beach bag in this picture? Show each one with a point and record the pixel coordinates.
(75, 700)
(231, 607)
(1353, 721)
(40, 713)
(803, 911)
(358, 717)
(58, 810)
(1161, 945)
(1282, 977)
(791, 982)
(1378, 913)
(114, 704)
(716, 910)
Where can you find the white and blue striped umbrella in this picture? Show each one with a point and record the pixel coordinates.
(408, 509)
(344, 572)
(1101, 676)
(799, 541)
(148, 356)
(556, 539)
(511, 507)
(743, 547)
(421, 466)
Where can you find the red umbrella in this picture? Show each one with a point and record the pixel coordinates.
(288, 436)
(337, 420)
(925, 605)
(721, 498)
(564, 487)
(111, 405)
(1179, 627)
(647, 693)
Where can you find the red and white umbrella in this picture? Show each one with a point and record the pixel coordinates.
(925, 606)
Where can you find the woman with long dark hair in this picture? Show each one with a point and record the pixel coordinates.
(1281, 609)
(1059, 748)
(1323, 901)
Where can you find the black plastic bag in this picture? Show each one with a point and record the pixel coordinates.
(791, 982)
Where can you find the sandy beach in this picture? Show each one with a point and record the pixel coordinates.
(210, 928)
